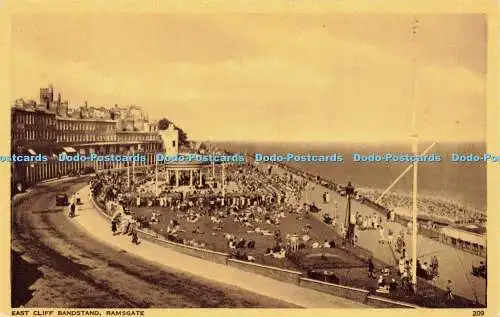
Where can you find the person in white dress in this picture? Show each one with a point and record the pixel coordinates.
(381, 235)
(294, 242)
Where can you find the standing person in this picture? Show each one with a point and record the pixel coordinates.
(125, 224)
(114, 226)
(371, 268)
(390, 237)
(72, 210)
(381, 233)
(135, 238)
(449, 291)
(401, 266)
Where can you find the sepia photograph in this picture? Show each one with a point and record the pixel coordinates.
(248, 160)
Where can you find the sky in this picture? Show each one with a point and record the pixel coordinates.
(266, 77)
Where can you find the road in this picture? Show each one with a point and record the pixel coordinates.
(71, 269)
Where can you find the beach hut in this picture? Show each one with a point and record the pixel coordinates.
(464, 239)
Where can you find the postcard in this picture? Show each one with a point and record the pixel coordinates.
(235, 157)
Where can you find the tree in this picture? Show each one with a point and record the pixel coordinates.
(163, 125)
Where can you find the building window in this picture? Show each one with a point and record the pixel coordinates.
(173, 143)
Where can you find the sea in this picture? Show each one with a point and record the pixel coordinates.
(464, 183)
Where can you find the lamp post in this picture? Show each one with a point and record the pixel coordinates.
(349, 222)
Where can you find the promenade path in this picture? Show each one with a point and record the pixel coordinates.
(97, 226)
(454, 264)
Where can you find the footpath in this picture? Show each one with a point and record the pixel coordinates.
(95, 224)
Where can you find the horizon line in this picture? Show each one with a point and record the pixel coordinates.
(336, 141)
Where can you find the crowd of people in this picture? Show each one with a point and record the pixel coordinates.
(252, 208)
(429, 205)
(245, 219)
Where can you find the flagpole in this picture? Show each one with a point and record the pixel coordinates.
(415, 167)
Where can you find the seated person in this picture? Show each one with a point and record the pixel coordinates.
(239, 256)
(393, 285)
(332, 244)
(197, 230)
(216, 228)
(241, 244)
(193, 243)
(326, 244)
(315, 245)
(154, 218)
(482, 267)
(280, 254)
(425, 267)
(381, 281)
(306, 238)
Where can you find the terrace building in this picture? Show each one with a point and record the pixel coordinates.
(51, 128)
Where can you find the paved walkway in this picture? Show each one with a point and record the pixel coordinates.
(97, 226)
(454, 264)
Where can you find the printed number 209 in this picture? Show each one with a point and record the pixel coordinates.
(478, 313)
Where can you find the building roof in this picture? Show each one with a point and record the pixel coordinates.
(32, 110)
(464, 235)
(86, 120)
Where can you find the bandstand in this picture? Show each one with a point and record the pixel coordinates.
(176, 173)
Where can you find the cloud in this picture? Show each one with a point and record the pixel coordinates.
(279, 82)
